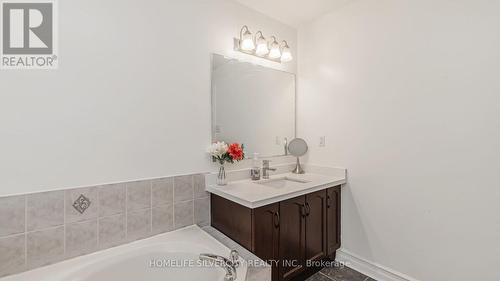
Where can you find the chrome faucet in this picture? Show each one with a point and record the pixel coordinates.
(266, 169)
(229, 265)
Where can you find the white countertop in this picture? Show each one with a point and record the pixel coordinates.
(252, 194)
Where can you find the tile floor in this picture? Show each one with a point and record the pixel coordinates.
(339, 274)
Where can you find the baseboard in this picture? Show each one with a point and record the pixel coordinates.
(371, 269)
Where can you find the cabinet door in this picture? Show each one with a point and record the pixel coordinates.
(333, 220)
(266, 221)
(232, 219)
(292, 238)
(316, 225)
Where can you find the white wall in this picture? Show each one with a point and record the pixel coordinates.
(131, 97)
(407, 93)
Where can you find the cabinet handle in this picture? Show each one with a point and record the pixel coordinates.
(277, 221)
(328, 201)
(303, 211)
(308, 209)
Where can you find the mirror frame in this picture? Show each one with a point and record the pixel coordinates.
(212, 104)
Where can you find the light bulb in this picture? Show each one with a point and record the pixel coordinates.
(286, 55)
(246, 43)
(262, 48)
(275, 52)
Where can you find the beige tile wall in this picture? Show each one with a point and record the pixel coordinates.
(43, 228)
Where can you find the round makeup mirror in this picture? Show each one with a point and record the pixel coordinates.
(298, 147)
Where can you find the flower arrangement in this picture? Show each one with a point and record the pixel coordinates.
(222, 152)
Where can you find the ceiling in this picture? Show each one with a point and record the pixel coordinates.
(294, 12)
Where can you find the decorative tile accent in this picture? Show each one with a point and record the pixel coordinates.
(139, 224)
(12, 215)
(112, 199)
(81, 238)
(163, 219)
(43, 228)
(138, 195)
(183, 214)
(81, 204)
(12, 255)
(45, 210)
(163, 191)
(112, 231)
(45, 247)
(183, 188)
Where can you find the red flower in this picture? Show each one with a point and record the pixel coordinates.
(236, 151)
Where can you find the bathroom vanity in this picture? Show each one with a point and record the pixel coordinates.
(288, 220)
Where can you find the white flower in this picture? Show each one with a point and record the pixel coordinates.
(217, 149)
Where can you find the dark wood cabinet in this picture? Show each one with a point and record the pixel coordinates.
(265, 228)
(333, 220)
(286, 234)
(232, 219)
(316, 208)
(292, 237)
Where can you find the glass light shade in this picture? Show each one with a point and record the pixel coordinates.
(275, 52)
(262, 49)
(286, 55)
(247, 43)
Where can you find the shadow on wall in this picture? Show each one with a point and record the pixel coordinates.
(356, 226)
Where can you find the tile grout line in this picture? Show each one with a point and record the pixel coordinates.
(173, 202)
(64, 224)
(45, 228)
(172, 207)
(25, 232)
(151, 206)
(192, 190)
(97, 216)
(126, 212)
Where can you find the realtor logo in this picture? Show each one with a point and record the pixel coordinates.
(28, 35)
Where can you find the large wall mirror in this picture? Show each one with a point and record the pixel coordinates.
(253, 105)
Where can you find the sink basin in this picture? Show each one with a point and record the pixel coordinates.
(282, 182)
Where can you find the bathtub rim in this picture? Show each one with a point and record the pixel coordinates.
(190, 234)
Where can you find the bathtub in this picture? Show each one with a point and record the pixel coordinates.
(170, 256)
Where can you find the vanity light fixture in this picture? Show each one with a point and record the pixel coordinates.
(286, 54)
(260, 47)
(246, 39)
(275, 51)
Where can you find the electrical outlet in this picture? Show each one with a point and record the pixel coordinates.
(322, 141)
